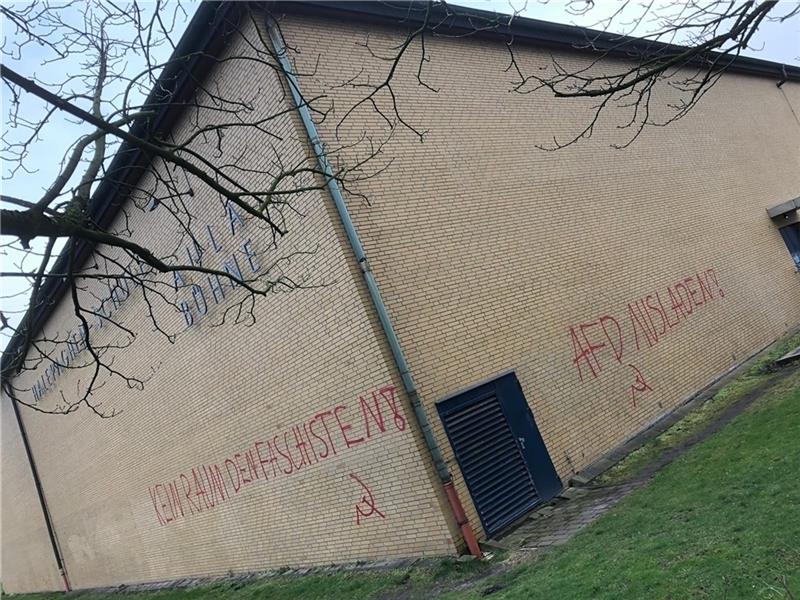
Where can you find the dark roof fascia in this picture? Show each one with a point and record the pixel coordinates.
(205, 36)
(526, 30)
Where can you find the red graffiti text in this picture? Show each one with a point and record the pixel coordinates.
(286, 453)
(643, 323)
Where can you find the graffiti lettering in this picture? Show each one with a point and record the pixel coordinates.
(284, 454)
(644, 325)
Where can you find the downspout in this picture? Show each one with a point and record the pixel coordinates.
(372, 287)
(40, 492)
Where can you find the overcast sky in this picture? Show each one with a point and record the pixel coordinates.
(778, 42)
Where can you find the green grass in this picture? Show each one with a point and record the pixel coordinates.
(347, 585)
(760, 372)
(722, 521)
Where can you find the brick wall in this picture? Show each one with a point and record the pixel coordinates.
(27, 556)
(490, 251)
(125, 491)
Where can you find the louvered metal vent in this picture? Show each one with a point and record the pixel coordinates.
(491, 462)
(500, 451)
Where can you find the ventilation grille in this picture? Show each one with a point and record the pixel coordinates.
(491, 462)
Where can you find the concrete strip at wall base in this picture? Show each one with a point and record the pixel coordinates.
(359, 567)
(789, 357)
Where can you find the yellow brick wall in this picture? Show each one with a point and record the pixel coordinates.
(27, 556)
(125, 503)
(490, 251)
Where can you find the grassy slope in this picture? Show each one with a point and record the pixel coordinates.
(343, 585)
(723, 521)
(698, 419)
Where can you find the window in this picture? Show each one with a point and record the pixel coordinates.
(791, 235)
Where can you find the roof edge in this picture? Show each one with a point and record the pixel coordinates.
(174, 85)
(528, 30)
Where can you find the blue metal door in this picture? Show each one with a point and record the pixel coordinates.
(499, 450)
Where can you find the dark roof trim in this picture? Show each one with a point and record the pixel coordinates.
(523, 29)
(176, 84)
(205, 37)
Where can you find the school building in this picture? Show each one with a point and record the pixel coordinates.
(494, 319)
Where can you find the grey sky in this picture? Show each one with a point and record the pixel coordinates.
(778, 42)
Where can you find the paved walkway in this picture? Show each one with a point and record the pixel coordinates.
(789, 357)
(561, 519)
(576, 507)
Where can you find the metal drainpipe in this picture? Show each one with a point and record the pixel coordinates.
(40, 492)
(374, 293)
